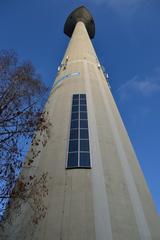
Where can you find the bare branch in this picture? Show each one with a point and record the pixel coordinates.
(21, 102)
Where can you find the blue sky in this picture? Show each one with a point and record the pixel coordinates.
(128, 45)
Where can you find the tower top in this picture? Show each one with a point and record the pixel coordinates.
(80, 14)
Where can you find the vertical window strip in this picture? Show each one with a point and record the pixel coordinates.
(79, 155)
(79, 131)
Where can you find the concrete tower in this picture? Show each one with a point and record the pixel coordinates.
(97, 190)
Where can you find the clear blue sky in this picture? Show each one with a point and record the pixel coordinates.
(128, 45)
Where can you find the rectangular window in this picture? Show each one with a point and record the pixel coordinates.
(78, 148)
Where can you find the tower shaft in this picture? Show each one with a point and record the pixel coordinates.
(107, 201)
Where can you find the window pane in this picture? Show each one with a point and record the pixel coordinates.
(83, 124)
(75, 108)
(84, 145)
(83, 108)
(73, 146)
(72, 160)
(83, 101)
(83, 115)
(85, 160)
(74, 134)
(74, 115)
(84, 134)
(82, 96)
(76, 96)
(75, 102)
(74, 124)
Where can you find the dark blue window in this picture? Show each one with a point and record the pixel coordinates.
(83, 101)
(75, 102)
(72, 160)
(83, 124)
(83, 108)
(74, 134)
(74, 124)
(75, 108)
(76, 96)
(82, 96)
(85, 160)
(78, 149)
(84, 134)
(73, 146)
(84, 145)
(74, 116)
(83, 115)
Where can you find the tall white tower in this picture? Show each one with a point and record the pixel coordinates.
(97, 190)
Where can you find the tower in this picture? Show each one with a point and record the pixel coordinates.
(97, 190)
